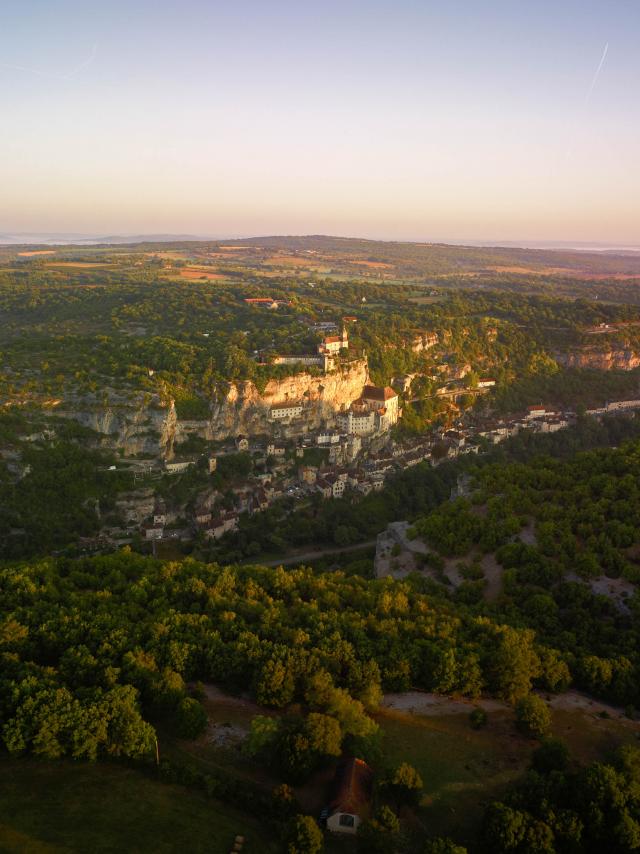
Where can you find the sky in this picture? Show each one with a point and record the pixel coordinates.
(405, 120)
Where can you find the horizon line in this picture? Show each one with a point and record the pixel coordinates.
(74, 238)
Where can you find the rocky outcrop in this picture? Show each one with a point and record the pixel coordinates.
(424, 341)
(137, 506)
(136, 423)
(624, 359)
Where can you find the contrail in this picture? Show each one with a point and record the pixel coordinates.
(87, 62)
(597, 74)
(69, 75)
(571, 125)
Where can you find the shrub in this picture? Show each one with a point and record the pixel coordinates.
(443, 845)
(379, 834)
(478, 718)
(304, 836)
(191, 718)
(533, 717)
(405, 783)
(285, 803)
(552, 755)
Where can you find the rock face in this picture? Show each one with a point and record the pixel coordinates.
(137, 423)
(145, 424)
(136, 506)
(243, 409)
(424, 341)
(602, 360)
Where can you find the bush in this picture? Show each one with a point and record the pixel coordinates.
(478, 718)
(191, 718)
(533, 717)
(379, 834)
(552, 755)
(304, 836)
(405, 784)
(285, 803)
(443, 845)
(192, 408)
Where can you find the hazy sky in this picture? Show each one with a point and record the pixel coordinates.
(456, 119)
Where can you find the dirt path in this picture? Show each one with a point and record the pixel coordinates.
(426, 704)
(493, 574)
(575, 701)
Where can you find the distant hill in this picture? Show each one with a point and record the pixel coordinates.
(443, 258)
(397, 259)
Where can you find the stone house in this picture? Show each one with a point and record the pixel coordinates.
(324, 488)
(350, 800)
(242, 443)
(153, 532)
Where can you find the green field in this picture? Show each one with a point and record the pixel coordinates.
(464, 769)
(73, 807)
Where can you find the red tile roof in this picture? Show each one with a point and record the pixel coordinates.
(374, 392)
(351, 789)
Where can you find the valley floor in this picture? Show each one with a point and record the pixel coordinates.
(48, 807)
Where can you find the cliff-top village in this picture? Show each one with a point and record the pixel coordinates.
(299, 447)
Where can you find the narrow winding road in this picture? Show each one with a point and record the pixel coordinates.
(301, 557)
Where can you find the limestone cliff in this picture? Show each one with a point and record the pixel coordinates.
(243, 409)
(136, 423)
(602, 360)
(139, 423)
(424, 341)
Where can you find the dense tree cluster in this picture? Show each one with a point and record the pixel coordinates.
(585, 511)
(553, 811)
(95, 648)
(64, 489)
(583, 523)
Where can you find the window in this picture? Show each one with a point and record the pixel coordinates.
(347, 820)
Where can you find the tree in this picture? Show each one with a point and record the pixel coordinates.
(321, 693)
(276, 684)
(304, 836)
(512, 663)
(533, 717)
(284, 801)
(504, 829)
(555, 675)
(405, 783)
(627, 832)
(324, 734)
(191, 718)
(378, 835)
(552, 755)
(387, 819)
(478, 718)
(262, 735)
(443, 845)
